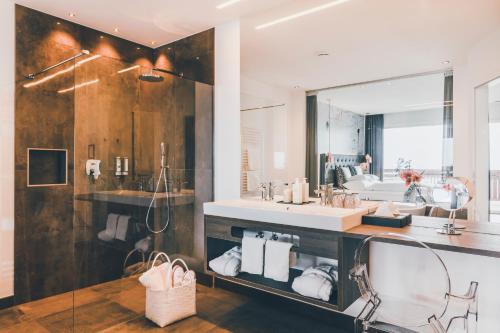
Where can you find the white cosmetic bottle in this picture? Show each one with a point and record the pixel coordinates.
(305, 190)
(297, 192)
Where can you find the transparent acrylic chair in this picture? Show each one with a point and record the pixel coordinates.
(414, 302)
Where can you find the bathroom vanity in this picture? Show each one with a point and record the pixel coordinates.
(316, 231)
(335, 234)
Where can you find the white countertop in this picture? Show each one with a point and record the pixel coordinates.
(309, 216)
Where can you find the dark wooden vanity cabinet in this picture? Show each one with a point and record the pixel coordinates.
(222, 233)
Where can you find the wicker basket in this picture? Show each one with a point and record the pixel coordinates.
(173, 304)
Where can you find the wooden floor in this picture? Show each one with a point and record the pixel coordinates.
(118, 306)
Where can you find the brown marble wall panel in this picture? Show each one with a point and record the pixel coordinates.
(33, 27)
(44, 215)
(192, 57)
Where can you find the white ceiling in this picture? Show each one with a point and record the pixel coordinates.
(367, 39)
(408, 94)
(144, 21)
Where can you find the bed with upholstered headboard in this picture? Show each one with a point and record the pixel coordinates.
(368, 186)
(327, 170)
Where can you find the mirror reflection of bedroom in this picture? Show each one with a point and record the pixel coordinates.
(388, 140)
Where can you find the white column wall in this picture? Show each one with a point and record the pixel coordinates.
(7, 65)
(227, 138)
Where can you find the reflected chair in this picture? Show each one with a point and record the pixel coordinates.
(424, 308)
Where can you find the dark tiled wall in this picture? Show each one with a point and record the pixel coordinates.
(111, 115)
(191, 57)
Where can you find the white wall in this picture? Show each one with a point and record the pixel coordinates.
(227, 141)
(7, 65)
(478, 66)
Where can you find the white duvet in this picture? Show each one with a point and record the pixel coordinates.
(365, 183)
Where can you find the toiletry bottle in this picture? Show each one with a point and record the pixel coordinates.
(305, 190)
(297, 192)
(287, 194)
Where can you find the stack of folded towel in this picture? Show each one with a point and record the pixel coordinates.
(228, 264)
(317, 282)
(116, 228)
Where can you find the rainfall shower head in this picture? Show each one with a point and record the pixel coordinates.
(150, 77)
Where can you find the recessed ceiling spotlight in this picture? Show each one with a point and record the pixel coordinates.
(101, 36)
(138, 48)
(58, 23)
(72, 14)
(197, 58)
(227, 4)
(322, 53)
(169, 48)
(116, 30)
(153, 42)
(300, 14)
(446, 62)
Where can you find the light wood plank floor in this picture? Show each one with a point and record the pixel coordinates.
(118, 306)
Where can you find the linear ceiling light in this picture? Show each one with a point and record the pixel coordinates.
(227, 4)
(300, 14)
(62, 91)
(128, 69)
(63, 71)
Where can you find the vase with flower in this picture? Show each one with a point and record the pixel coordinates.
(414, 192)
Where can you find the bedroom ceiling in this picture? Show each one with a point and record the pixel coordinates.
(408, 94)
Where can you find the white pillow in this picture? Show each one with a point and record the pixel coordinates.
(347, 173)
(359, 170)
(358, 185)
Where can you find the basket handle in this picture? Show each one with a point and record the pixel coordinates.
(170, 270)
(159, 255)
(181, 261)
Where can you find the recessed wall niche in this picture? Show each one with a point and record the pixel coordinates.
(47, 167)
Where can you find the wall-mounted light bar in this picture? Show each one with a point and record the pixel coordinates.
(302, 13)
(61, 72)
(227, 4)
(128, 69)
(81, 85)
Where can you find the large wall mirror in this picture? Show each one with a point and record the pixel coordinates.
(487, 159)
(387, 140)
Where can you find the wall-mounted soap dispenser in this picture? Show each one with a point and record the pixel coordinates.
(121, 166)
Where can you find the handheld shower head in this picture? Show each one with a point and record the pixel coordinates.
(163, 155)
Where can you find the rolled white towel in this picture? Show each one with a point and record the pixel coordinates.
(252, 255)
(156, 277)
(316, 282)
(277, 260)
(228, 264)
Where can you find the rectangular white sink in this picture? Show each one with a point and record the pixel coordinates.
(309, 216)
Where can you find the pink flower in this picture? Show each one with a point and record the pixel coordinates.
(410, 176)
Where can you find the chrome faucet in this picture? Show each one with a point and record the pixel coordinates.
(266, 191)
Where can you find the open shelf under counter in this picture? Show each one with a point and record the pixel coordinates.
(223, 233)
(283, 289)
